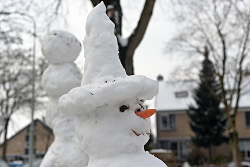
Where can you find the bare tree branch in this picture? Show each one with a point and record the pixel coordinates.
(224, 27)
(138, 34)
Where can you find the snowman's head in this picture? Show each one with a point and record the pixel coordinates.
(60, 46)
(111, 116)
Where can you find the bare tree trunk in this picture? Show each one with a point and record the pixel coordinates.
(234, 145)
(5, 138)
(233, 140)
(233, 134)
(126, 53)
(210, 153)
(136, 38)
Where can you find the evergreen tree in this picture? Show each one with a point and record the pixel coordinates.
(207, 120)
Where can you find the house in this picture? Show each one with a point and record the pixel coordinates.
(173, 131)
(18, 144)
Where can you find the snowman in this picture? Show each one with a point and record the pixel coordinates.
(112, 124)
(61, 48)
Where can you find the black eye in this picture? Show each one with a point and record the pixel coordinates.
(123, 108)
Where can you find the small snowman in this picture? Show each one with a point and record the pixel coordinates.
(112, 124)
(61, 48)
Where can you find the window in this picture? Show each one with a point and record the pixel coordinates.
(168, 122)
(179, 147)
(172, 121)
(247, 118)
(27, 144)
(181, 94)
(26, 151)
(27, 137)
(244, 146)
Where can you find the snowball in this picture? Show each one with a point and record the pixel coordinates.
(58, 79)
(60, 47)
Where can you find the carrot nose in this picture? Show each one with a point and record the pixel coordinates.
(146, 113)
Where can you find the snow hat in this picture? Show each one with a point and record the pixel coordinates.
(101, 49)
(105, 81)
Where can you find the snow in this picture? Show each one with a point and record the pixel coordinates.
(110, 7)
(61, 48)
(122, 41)
(129, 160)
(160, 151)
(110, 137)
(243, 163)
(186, 164)
(100, 62)
(56, 78)
(166, 99)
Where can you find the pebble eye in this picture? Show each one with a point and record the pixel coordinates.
(123, 108)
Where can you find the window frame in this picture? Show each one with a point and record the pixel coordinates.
(244, 149)
(181, 94)
(182, 147)
(245, 118)
(169, 127)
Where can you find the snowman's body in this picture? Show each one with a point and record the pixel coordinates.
(128, 160)
(61, 76)
(112, 125)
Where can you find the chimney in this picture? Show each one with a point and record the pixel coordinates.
(159, 78)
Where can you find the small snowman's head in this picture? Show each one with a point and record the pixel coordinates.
(59, 46)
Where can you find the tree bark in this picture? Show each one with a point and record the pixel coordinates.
(233, 134)
(136, 38)
(95, 2)
(126, 53)
(210, 153)
(5, 138)
(233, 139)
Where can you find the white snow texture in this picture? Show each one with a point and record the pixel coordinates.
(61, 48)
(105, 132)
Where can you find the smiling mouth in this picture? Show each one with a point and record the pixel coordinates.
(137, 134)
